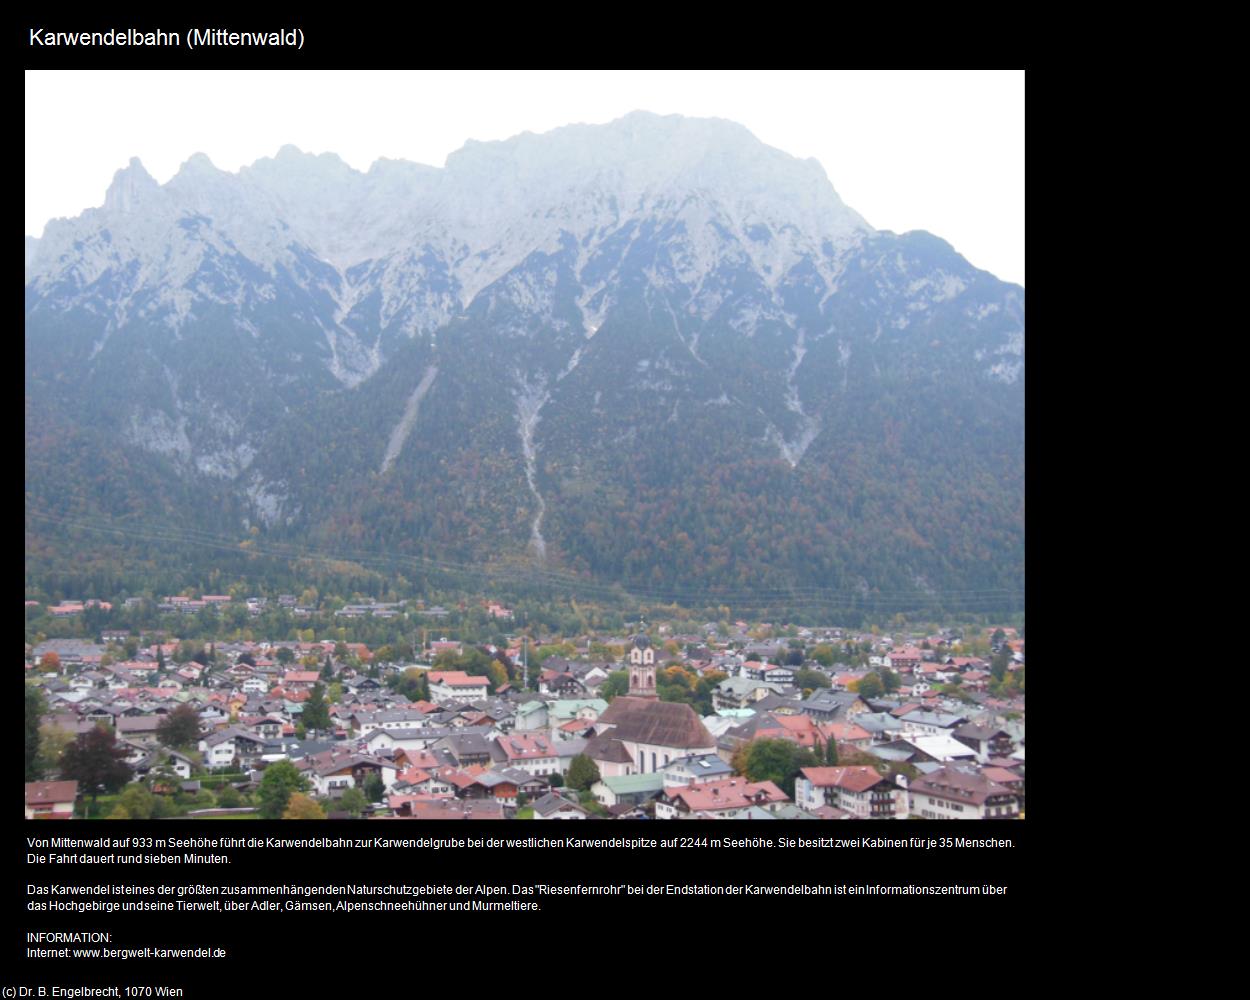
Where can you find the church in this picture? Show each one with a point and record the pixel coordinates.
(638, 733)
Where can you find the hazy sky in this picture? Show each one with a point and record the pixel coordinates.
(942, 151)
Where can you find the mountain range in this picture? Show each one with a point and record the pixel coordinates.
(656, 353)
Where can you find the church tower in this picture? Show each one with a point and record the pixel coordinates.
(642, 667)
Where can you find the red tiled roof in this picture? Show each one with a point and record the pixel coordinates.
(734, 793)
(520, 746)
(457, 678)
(843, 732)
(853, 779)
(45, 792)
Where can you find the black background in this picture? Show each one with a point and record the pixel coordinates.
(296, 952)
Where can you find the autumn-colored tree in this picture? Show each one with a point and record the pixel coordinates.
(497, 675)
(50, 662)
(300, 806)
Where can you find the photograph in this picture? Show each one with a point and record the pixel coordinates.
(411, 445)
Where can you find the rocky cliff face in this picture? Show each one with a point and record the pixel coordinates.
(652, 349)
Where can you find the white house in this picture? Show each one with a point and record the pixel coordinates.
(961, 791)
(457, 684)
(861, 791)
(218, 750)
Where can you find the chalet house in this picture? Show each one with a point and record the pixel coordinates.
(402, 718)
(212, 714)
(466, 748)
(51, 799)
(218, 750)
(987, 741)
(560, 684)
(925, 723)
(730, 799)
(142, 728)
(106, 715)
(880, 726)
(503, 788)
(404, 739)
(428, 784)
(906, 659)
(778, 673)
(1011, 778)
(527, 784)
(861, 791)
(248, 747)
(961, 791)
(269, 728)
(463, 780)
(554, 806)
(696, 769)
(171, 760)
(532, 753)
(743, 692)
(334, 771)
(828, 705)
